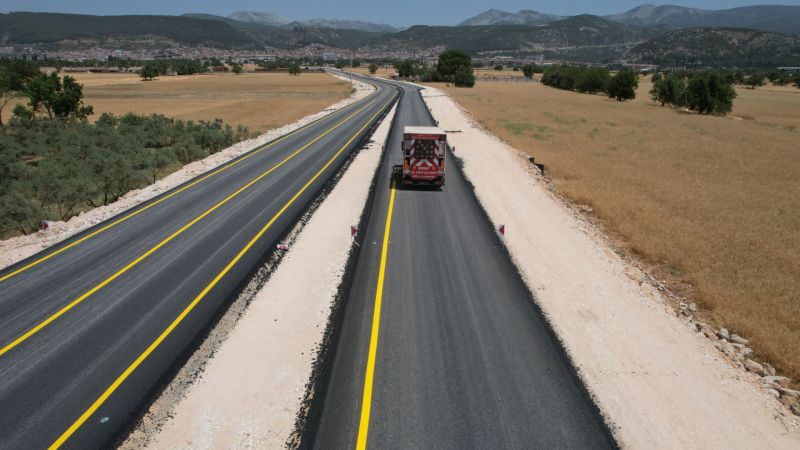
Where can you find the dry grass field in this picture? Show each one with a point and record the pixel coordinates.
(260, 101)
(712, 201)
(385, 72)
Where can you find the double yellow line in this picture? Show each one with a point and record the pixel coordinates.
(164, 334)
(166, 197)
(8, 347)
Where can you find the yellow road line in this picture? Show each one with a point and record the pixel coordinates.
(8, 347)
(366, 401)
(162, 199)
(138, 361)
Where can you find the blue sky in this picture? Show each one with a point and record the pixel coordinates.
(393, 12)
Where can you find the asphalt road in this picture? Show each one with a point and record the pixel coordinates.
(462, 358)
(88, 330)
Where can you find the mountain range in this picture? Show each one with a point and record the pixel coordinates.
(777, 18)
(337, 24)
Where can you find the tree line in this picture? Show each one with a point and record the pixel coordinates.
(453, 66)
(592, 80)
(706, 92)
(54, 163)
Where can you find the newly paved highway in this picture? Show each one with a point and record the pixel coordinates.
(89, 327)
(457, 356)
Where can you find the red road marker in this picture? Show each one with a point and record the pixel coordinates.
(502, 229)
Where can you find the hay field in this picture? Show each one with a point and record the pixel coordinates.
(260, 101)
(712, 201)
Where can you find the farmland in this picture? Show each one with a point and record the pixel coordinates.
(711, 203)
(259, 101)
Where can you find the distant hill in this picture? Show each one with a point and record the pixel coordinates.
(273, 20)
(264, 18)
(498, 17)
(81, 31)
(781, 19)
(720, 46)
(359, 25)
(51, 28)
(566, 38)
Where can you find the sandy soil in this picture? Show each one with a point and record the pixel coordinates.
(18, 248)
(250, 391)
(659, 384)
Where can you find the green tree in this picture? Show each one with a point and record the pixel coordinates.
(60, 99)
(19, 212)
(148, 72)
(622, 86)
(498, 67)
(464, 77)
(593, 80)
(63, 184)
(656, 77)
(237, 68)
(373, 68)
(527, 70)
(407, 69)
(13, 76)
(451, 62)
(294, 69)
(670, 90)
(709, 93)
(754, 80)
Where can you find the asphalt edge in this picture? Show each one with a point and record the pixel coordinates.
(259, 273)
(313, 402)
(575, 372)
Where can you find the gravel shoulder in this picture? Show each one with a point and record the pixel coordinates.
(248, 394)
(18, 248)
(659, 384)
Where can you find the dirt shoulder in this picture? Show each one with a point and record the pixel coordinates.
(658, 384)
(249, 393)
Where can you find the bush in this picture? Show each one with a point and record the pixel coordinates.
(622, 86)
(498, 67)
(527, 70)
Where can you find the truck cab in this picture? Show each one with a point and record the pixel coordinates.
(424, 151)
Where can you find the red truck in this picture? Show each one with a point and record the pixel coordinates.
(424, 150)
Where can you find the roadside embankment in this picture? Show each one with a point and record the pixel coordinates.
(658, 384)
(18, 248)
(250, 392)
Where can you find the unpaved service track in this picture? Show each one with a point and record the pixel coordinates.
(90, 327)
(441, 345)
